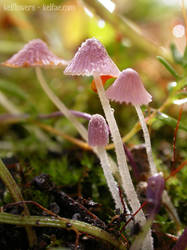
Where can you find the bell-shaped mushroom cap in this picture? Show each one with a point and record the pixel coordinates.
(128, 88)
(98, 132)
(92, 58)
(35, 53)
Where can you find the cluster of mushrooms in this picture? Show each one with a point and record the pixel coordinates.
(92, 59)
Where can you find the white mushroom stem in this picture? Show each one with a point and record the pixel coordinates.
(121, 160)
(153, 170)
(152, 166)
(61, 106)
(82, 131)
(109, 177)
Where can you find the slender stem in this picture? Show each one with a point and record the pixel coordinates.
(153, 170)
(152, 166)
(109, 177)
(58, 103)
(76, 113)
(171, 209)
(83, 145)
(83, 132)
(57, 132)
(39, 221)
(7, 104)
(121, 159)
(17, 196)
(137, 126)
(137, 243)
(15, 112)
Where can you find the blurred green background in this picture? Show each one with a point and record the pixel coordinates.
(145, 30)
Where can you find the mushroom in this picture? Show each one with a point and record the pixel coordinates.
(129, 88)
(36, 54)
(98, 135)
(92, 59)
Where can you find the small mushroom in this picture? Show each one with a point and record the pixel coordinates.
(92, 59)
(129, 88)
(98, 135)
(36, 54)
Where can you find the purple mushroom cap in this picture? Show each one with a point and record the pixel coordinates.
(154, 192)
(128, 88)
(92, 58)
(35, 53)
(98, 132)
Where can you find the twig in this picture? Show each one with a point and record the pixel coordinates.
(46, 221)
(54, 131)
(175, 171)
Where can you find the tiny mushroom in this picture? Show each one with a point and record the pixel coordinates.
(98, 136)
(37, 54)
(129, 88)
(92, 59)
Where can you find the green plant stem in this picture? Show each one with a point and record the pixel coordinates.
(39, 221)
(17, 196)
(60, 105)
(152, 166)
(137, 125)
(169, 67)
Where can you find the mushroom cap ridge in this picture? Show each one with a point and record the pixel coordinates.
(92, 58)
